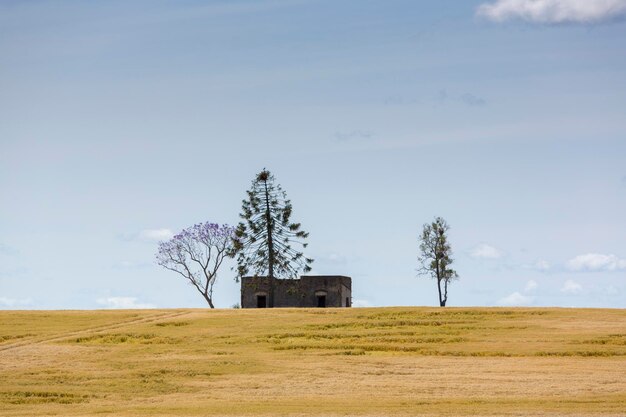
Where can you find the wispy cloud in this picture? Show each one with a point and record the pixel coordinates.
(441, 97)
(468, 99)
(13, 272)
(332, 258)
(520, 299)
(361, 303)
(15, 302)
(8, 250)
(353, 135)
(596, 262)
(156, 234)
(399, 100)
(571, 287)
(553, 11)
(542, 265)
(531, 286)
(472, 100)
(225, 8)
(122, 303)
(515, 299)
(485, 251)
(147, 235)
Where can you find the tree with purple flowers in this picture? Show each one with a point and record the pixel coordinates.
(196, 253)
(263, 240)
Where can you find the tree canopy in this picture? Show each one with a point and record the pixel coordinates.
(196, 253)
(435, 256)
(263, 241)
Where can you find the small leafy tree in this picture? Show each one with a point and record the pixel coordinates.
(196, 253)
(263, 240)
(435, 256)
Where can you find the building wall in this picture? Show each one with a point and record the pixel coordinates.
(301, 292)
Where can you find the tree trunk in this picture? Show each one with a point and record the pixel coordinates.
(270, 249)
(208, 300)
(442, 301)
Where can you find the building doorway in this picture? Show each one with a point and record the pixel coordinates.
(321, 301)
(261, 301)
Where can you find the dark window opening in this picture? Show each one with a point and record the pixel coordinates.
(347, 301)
(321, 301)
(261, 301)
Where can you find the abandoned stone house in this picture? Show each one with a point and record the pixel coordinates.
(308, 291)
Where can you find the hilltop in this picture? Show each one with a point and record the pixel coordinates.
(318, 362)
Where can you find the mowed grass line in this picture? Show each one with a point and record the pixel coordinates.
(47, 331)
(319, 362)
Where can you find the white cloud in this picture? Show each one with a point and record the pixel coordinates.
(122, 303)
(147, 235)
(542, 265)
(515, 299)
(571, 287)
(156, 234)
(15, 302)
(531, 286)
(361, 303)
(485, 251)
(596, 262)
(553, 11)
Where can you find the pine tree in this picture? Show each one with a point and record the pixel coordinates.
(263, 240)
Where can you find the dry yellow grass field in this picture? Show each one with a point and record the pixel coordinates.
(314, 362)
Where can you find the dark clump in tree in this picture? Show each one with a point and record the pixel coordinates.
(196, 253)
(435, 256)
(263, 240)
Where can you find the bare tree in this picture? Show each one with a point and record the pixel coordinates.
(435, 256)
(196, 253)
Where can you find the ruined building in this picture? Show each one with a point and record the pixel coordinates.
(308, 291)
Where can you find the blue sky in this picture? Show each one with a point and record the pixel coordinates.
(122, 122)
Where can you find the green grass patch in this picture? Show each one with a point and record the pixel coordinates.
(42, 397)
(173, 324)
(123, 338)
